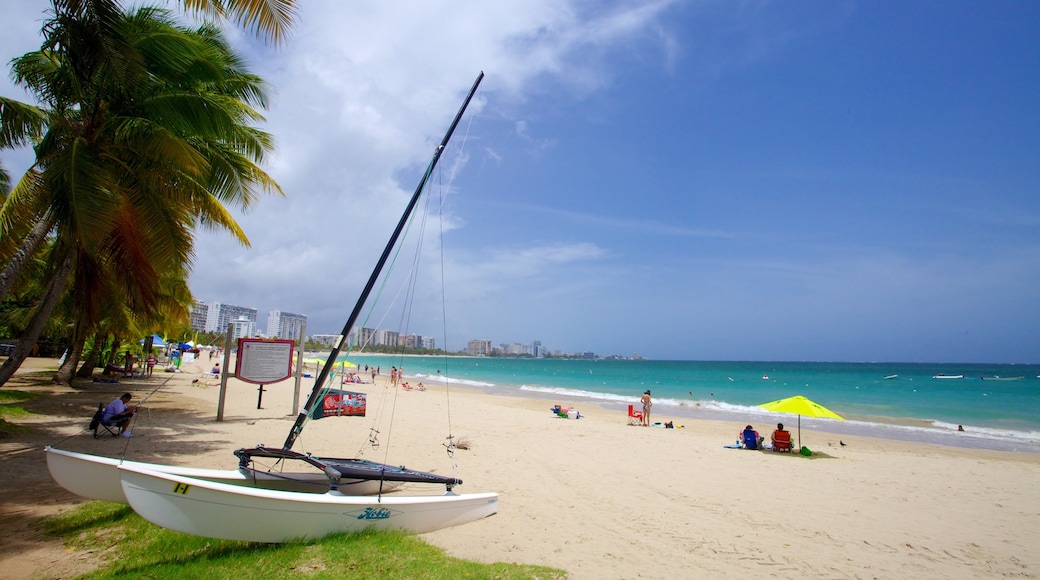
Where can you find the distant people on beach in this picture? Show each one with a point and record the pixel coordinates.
(128, 363)
(781, 438)
(647, 403)
(215, 370)
(393, 376)
(150, 364)
(750, 438)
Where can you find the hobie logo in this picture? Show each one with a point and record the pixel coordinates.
(374, 514)
(181, 488)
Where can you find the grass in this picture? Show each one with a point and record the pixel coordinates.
(128, 546)
(9, 410)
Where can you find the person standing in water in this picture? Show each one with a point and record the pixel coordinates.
(647, 403)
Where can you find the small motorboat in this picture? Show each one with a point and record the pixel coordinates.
(942, 376)
(891, 377)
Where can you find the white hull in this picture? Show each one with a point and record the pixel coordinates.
(217, 510)
(96, 477)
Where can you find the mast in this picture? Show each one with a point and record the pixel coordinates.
(327, 367)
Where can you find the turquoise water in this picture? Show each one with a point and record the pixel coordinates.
(913, 402)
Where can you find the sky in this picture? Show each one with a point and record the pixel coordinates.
(698, 180)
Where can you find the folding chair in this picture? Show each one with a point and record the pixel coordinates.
(96, 425)
(635, 417)
(782, 441)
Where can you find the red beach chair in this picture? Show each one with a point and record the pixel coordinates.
(634, 417)
(781, 441)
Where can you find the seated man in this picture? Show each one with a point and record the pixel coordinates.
(781, 438)
(751, 438)
(117, 413)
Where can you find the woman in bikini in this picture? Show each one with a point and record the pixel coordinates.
(646, 408)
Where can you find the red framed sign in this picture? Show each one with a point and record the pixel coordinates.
(264, 361)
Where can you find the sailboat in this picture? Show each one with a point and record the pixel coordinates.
(264, 506)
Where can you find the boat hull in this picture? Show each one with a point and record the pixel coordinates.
(217, 510)
(97, 477)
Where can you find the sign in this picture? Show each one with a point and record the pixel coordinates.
(337, 403)
(263, 361)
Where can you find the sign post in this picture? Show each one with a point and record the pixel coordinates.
(299, 370)
(263, 362)
(224, 374)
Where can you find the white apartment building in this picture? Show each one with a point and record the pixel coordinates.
(220, 315)
(478, 347)
(285, 324)
(242, 328)
(389, 337)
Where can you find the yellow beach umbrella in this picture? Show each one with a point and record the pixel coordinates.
(799, 405)
(321, 361)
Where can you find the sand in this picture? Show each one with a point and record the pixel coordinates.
(593, 496)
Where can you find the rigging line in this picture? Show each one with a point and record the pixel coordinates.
(133, 418)
(444, 316)
(450, 444)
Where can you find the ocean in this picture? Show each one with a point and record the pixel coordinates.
(909, 405)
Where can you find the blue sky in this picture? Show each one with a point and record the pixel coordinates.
(849, 181)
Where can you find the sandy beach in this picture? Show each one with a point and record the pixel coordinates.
(594, 496)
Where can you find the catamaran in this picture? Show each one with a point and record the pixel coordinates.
(252, 504)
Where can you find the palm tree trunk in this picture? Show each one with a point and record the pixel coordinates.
(90, 363)
(112, 354)
(64, 374)
(55, 288)
(21, 257)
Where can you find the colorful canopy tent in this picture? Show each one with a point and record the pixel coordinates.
(157, 341)
(799, 405)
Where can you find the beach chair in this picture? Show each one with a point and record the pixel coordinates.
(634, 417)
(750, 439)
(96, 425)
(782, 441)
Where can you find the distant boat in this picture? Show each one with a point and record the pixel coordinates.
(891, 377)
(765, 377)
(999, 378)
(942, 376)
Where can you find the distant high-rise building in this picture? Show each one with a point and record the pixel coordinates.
(326, 339)
(285, 325)
(389, 337)
(365, 337)
(199, 312)
(478, 347)
(220, 315)
(242, 328)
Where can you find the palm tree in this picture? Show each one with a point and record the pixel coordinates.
(148, 136)
(22, 124)
(269, 18)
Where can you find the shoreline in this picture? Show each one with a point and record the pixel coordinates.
(916, 424)
(593, 496)
(891, 428)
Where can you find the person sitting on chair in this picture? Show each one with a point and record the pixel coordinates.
(781, 439)
(750, 438)
(117, 413)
